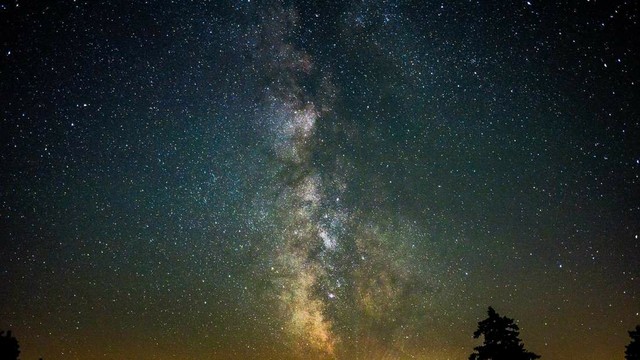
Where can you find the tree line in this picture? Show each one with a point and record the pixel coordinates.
(501, 341)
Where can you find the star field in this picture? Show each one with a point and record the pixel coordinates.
(318, 180)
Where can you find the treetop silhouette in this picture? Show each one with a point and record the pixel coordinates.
(632, 351)
(501, 341)
(9, 347)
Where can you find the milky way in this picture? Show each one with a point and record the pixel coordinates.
(303, 242)
(330, 260)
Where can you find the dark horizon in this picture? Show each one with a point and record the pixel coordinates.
(311, 179)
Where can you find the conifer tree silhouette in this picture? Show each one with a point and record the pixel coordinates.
(632, 351)
(501, 340)
(9, 347)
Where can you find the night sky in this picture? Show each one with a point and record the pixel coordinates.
(316, 179)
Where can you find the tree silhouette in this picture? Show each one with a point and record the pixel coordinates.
(501, 340)
(9, 347)
(633, 349)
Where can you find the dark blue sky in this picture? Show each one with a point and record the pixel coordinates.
(305, 179)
